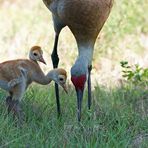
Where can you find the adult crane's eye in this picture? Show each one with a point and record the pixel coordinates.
(35, 54)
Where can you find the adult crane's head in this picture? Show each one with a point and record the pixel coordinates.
(78, 77)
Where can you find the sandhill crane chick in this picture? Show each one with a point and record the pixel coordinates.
(10, 70)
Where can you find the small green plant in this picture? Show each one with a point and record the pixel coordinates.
(134, 73)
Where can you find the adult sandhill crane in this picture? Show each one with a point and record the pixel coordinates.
(29, 71)
(85, 18)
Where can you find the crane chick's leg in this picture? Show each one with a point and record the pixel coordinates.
(16, 108)
(16, 89)
(89, 86)
(8, 103)
(14, 101)
(13, 106)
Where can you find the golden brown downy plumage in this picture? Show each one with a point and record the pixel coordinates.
(29, 71)
(11, 69)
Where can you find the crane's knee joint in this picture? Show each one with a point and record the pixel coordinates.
(55, 60)
(90, 68)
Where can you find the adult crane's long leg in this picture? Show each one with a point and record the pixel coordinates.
(55, 62)
(58, 25)
(54, 55)
(89, 86)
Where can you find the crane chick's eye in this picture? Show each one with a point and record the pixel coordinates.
(61, 79)
(35, 54)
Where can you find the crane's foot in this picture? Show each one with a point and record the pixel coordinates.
(89, 86)
(15, 109)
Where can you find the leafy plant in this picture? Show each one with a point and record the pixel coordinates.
(134, 73)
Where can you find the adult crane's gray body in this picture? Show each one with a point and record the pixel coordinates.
(85, 18)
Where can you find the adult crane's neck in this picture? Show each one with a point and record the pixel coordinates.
(85, 52)
(79, 71)
(84, 59)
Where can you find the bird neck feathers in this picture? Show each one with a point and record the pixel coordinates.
(52, 75)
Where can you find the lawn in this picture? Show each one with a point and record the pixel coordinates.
(119, 112)
(118, 118)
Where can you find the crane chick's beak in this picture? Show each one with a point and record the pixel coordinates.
(65, 88)
(42, 60)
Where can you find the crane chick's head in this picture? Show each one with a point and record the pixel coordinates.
(60, 77)
(36, 54)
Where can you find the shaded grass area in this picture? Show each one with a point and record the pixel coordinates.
(113, 121)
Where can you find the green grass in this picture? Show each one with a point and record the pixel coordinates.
(116, 117)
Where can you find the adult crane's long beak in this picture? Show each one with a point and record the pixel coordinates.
(79, 103)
